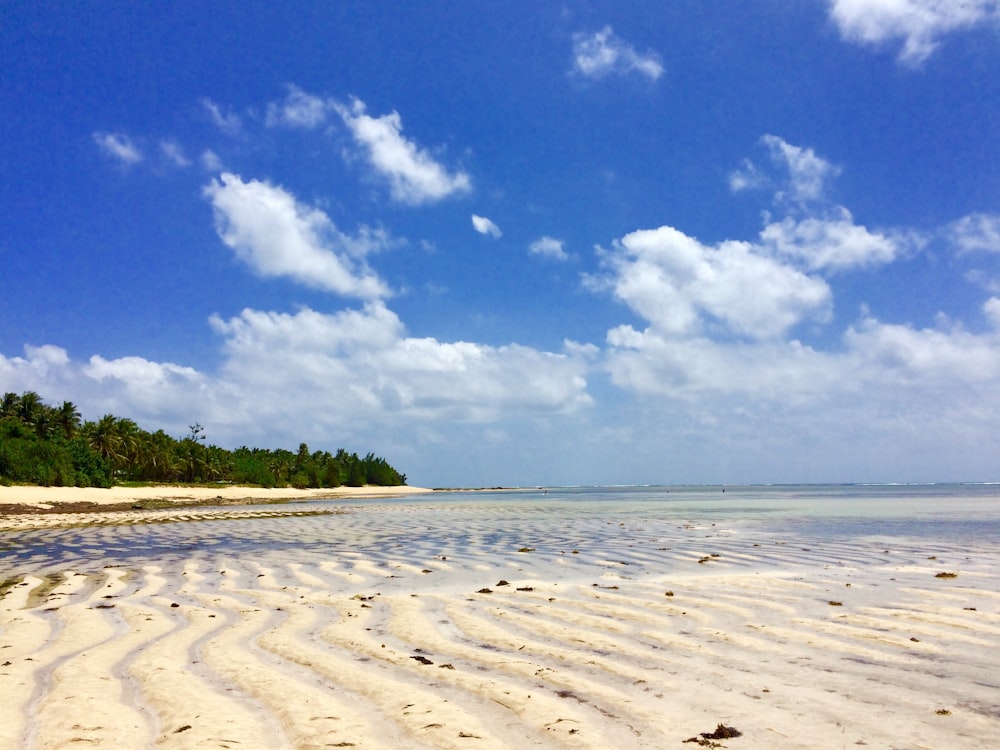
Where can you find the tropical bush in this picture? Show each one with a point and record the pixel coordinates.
(53, 446)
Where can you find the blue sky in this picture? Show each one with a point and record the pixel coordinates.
(520, 243)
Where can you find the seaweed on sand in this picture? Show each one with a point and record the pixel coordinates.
(722, 732)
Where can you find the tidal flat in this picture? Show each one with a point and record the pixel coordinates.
(801, 617)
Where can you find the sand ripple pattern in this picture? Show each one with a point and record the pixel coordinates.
(404, 626)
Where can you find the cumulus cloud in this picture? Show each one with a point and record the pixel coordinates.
(414, 176)
(364, 362)
(604, 53)
(976, 232)
(548, 247)
(891, 402)
(275, 235)
(327, 377)
(164, 392)
(298, 110)
(484, 226)
(918, 23)
(719, 353)
(683, 287)
(119, 146)
(814, 234)
(834, 244)
(878, 368)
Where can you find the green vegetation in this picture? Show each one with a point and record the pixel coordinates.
(53, 446)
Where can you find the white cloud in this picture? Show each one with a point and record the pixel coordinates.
(651, 363)
(359, 364)
(918, 23)
(604, 53)
(484, 226)
(173, 152)
(119, 146)
(807, 172)
(548, 247)
(815, 235)
(346, 378)
(718, 372)
(747, 177)
(976, 232)
(898, 356)
(413, 174)
(991, 309)
(298, 110)
(167, 394)
(228, 122)
(277, 236)
(834, 244)
(893, 403)
(210, 161)
(683, 287)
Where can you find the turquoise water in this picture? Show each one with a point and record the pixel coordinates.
(463, 526)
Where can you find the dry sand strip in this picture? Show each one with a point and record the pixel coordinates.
(242, 653)
(30, 507)
(49, 496)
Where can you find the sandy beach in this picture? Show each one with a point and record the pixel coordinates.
(466, 624)
(48, 497)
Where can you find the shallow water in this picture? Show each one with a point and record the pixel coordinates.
(584, 617)
(646, 524)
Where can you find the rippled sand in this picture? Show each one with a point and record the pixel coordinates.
(400, 627)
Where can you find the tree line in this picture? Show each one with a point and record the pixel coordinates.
(53, 446)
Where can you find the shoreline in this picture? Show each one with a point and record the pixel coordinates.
(20, 499)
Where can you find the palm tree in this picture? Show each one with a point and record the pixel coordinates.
(44, 422)
(29, 406)
(9, 405)
(130, 445)
(68, 419)
(157, 457)
(104, 438)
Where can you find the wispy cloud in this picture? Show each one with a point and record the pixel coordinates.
(119, 146)
(299, 109)
(976, 232)
(747, 177)
(604, 53)
(227, 121)
(484, 226)
(275, 235)
(173, 152)
(804, 174)
(548, 247)
(414, 175)
(807, 172)
(920, 24)
(210, 161)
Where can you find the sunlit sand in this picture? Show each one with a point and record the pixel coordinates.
(499, 621)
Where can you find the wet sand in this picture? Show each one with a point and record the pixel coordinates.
(390, 627)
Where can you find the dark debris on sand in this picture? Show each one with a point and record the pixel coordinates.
(722, 732)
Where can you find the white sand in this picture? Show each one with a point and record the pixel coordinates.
(319, 651)
(47, 497)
